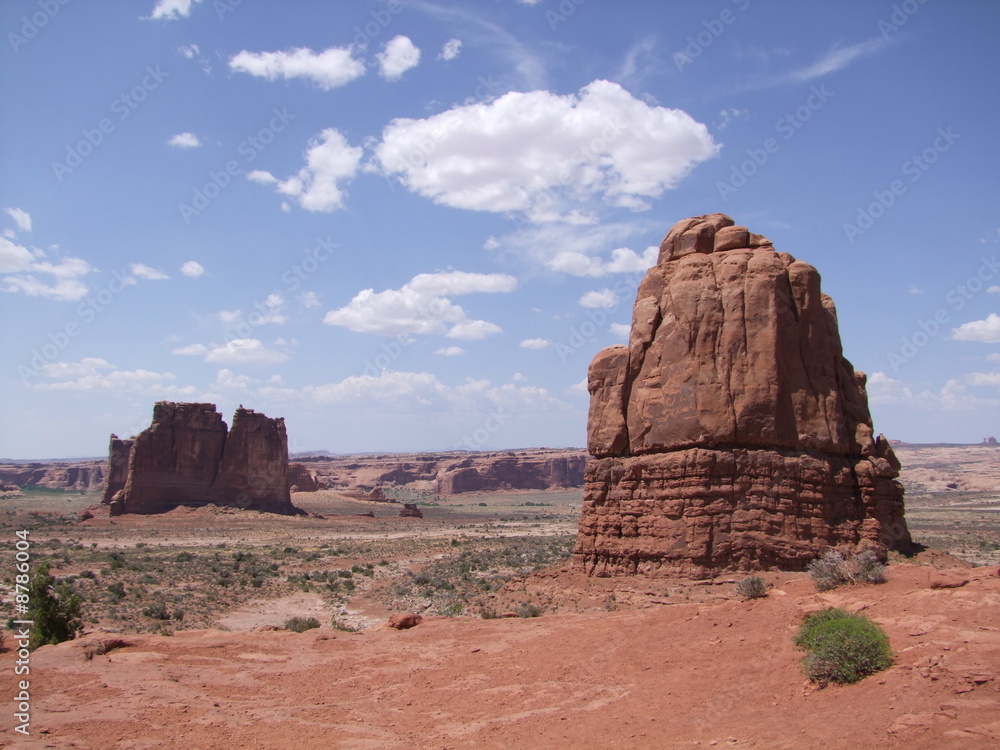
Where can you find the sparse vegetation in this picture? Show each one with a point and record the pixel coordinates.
(752, 587)
(300, 624)
(528, 609)
(842, 647)
(833, 569)
(54, 609)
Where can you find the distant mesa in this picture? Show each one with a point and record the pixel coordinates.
(187, 456)
(731, 433)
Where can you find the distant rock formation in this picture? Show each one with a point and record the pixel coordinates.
(410, 510)
(56, 475)
(989, 440)
(510, 472)
(188, 457)
(300, 479)
(731, 432)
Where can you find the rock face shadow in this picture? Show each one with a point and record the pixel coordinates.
(731, 433)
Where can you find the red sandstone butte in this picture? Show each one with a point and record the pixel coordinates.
(187, 456)
(731, 433)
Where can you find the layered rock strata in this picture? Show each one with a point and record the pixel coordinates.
(731, 432)
(187, 456)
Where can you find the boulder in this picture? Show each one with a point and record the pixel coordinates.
(404, 620)
(410, 511)
(731, 432)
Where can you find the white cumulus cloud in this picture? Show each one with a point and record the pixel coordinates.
(533, 152)
(193, 269)
(986, 331)
(330, 162)
(149, 273)
(184, 140)
(328, 69)
(623, 260)
(452, 48)
(172, 9)
(422, 306)
(605, 298)
(535, 343)
(397, 57)
(95, 374)
(450, 351)
(26, 271)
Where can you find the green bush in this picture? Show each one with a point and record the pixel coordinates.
(841, 647)
(300, 624)
(753, 587)
(54, 610)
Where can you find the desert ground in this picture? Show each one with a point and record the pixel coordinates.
(185, 645)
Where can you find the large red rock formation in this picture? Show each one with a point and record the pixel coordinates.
(731, 432)
(119, 452)
(188, 457)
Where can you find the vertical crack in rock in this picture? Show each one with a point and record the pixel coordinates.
(731, 434)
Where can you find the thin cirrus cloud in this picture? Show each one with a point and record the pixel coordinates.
(331, 162)
(423, 306)
(329, 69)
(247, 351)
(397, 57)
(21, 218)
(522, 152)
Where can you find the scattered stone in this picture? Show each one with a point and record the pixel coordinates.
(405, 620)
(948, 579)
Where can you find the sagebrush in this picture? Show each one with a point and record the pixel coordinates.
(842, 647)
(835, 569)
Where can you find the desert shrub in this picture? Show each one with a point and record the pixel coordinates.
(841, 647)
(452, 609)
(339, 624)
(753, 587)
(488, 613)
(116, 592)
(300, 624)
(528, 609)
(833, 569)
(157, 611)
(54, 610)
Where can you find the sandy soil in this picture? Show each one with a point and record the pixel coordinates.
(661, 675)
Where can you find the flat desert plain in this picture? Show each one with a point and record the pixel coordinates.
(185, 644)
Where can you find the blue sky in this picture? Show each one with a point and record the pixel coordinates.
(411, 225)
